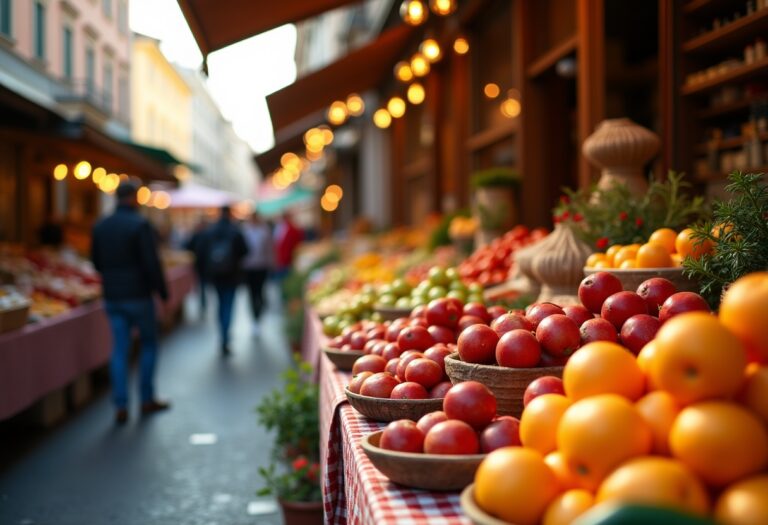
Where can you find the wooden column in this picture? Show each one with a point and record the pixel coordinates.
(591, 77)
(398, 200)
(459, 153)
(436, 118)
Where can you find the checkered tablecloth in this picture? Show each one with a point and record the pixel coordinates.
(354, 491)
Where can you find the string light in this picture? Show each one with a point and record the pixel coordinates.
(442, 7)
(82, 170)
(60, 172)
(431, 50)
(337, 113)
(143, 195)
(334, 192)
(328, 204)
(414, 12)
(382, 119)
(491, 90)
(161, 200)
(396, 107)
(419, 65)
(403, 71)
(416, 93)
(98, 175)
(461, 45)
(355, 105)
(511, 108)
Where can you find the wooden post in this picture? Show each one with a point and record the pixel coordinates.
(591, 77)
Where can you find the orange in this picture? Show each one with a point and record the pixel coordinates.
(538, 424)
(653, 255)
(568, 506)
(721, 442)
(697, 358)
(599, 433)
(665, 237)
(744, 503)
(594, 258)
(754, 393)
(744, 309)
(625, 254)
(605, 263)
(645, 359)
(657, 482)
(566, 478)
(687, 246)
(677, 259)
(659, 409)
(721, 229)
(603, 367)
(515, 485)
(611, 252)
(628, 264)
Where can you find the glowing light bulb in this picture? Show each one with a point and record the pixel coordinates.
(419, 65)
(442, 7)
(403, 71)
(60, 172)
(396, 107)
(491, 90)
(382, 119)
(337, 113)
(355, 105)
(416, 93)
(431, 50)
(461, 46)
(82, 170)
(414, 12)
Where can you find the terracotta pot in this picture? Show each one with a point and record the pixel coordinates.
(494, 208)
(559, 265)
(621, 148)
(302, 512)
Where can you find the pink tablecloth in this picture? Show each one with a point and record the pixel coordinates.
(354, 491)
(48, 355)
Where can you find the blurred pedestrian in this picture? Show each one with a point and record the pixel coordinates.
(194, 245)
(287, 238)
(124, 251)
(256, 263)
(223, 248)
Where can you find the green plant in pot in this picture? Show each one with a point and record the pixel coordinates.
(494, 201)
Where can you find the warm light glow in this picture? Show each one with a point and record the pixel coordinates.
(143, 195)
(328, 136)
(419, 65)
(124, 177)
(161, 200)
(442, 7)
(461, 46)
(109, 183)
(60, 172)
(396, 107)
(491, 90)
(431, 50)
(82, 170)
(98, 174)
(289, 159)
(314, 155)
(337, 113)
(413, 12)
(382, 119)
(314, 140)
(328, 204)
(403, 71)
(511, 108)
(334, 192)
(416, 93)
(355, 105)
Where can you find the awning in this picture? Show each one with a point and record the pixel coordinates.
(287, 140)
(217, 24)
(196, 196)
(363, 69)
(272, 201)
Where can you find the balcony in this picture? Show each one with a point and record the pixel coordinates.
(80, 98)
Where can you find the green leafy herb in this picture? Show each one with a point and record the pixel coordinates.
(495, 177)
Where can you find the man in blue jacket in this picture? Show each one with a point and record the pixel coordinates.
(124, 251)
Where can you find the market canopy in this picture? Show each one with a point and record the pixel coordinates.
(216, 24)
(364, 68)
(196, 196)
(272, 201)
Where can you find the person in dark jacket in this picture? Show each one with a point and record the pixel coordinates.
(193, 245)
(124, 252)
(222, 248)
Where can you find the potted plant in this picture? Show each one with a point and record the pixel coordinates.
(494, 202)
(293, 474)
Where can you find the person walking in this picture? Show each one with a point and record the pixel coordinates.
(124, 252)
(194, 244)
(256, 263)
(287, 237)
(223, 248)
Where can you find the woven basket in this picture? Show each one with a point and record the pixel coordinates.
(381, 409)
(390, 313)
(473, 511)
(344, 360)
(507, 384)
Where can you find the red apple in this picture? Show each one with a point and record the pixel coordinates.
(439, 390)
(638, 330)
(409, 390)
(558, 335)
(548, 359)
(418, 321)
(336, 342)
(682, 302)
(392, 366)
(451, 437)
(419, 311)
(368, 346)
(443, 312)
(504, 431)
(509, 321)
(393, 330)
(357, 381)
(518, 349)
(598, 329)
(496, 310)
(441, 334)
(596, 288)
(347, 332)
(357, 340)
(403, 436)
(346, 348)
(578, 314)
(468, 320)
(405, 358)
(655, 291)
(378, 348)
(371, 363)
(540, 312)
(376, 332)
(379, 385)
(543, 385)
(471, 402)
(415, 338)
(438, 353)
(427, 421)
(477, 344)
(424, 371)
(621, 306)
(478, 310)
(391, 350)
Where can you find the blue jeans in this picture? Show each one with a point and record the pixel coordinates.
(124, 316)
(226, 295)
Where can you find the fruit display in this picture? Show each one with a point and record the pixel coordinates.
(679, 425)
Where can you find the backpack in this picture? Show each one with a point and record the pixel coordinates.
(221, 257)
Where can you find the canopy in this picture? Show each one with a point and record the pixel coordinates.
(196, 196)
(272, 201)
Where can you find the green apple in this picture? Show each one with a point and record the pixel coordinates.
(436, 292)
(437, 276)
(457, 294)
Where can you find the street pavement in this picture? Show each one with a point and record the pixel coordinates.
(193, 465)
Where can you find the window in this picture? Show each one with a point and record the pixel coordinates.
(107, 7)
(90, 70)
(122, 96)
(122, 17)
(108, 83)
(39, 24)
(67, 65)
(5, 17)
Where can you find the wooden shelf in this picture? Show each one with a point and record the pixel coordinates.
(491, 136)
(731, 143)
(732, 107)
(552, 57)
(736, 74)
(707, 7)
(738, 33)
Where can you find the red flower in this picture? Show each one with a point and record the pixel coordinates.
(300, 463)
(313, 472)
(565, 199)
(578, 217)
(623, 216)
(639, 222)
(602, 243)
(565, 215)
(555, 219)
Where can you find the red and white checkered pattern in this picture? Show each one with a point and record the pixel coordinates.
(354, 491)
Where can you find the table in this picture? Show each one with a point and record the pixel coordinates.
(354, 491)
(180, 280)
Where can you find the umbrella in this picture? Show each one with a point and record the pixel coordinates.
(196, 196)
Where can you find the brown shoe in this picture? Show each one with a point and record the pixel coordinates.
(154, 406)
(121, 416)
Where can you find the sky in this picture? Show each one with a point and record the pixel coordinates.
(240, 76)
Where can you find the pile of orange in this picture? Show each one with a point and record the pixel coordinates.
(665, 248)
(684, 425)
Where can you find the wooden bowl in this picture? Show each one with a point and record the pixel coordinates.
(634, 277)
(343, 359)
(381, 409)
(477, 515)
(422, 471)
(507, 384)
(390, 313)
